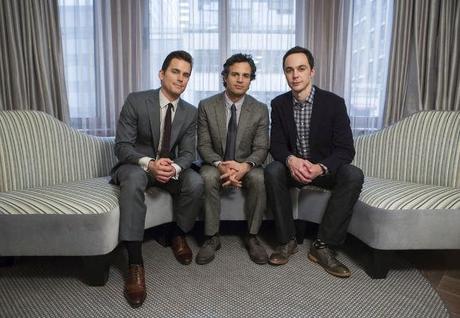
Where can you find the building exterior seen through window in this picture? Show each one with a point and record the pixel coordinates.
(212, 30)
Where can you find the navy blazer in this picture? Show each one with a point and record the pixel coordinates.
(331, 139)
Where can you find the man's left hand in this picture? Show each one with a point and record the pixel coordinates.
(237, 172)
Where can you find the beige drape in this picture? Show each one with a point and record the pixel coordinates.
(121, 59)
(424, 60)
(326, 35)
(31, 60)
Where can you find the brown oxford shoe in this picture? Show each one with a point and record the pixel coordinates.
(281, 254)
(135, 291)
(181, 250)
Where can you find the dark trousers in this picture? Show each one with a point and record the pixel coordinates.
(187, 193)
(345, 185)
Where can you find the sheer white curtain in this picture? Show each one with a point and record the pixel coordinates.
(105, 57)
(113, 47)
(367, 63)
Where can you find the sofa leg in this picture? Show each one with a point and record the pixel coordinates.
(96, 269)
(378, 264)
(7, 261)
(300, 226)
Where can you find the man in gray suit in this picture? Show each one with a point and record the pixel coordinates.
(155, 146)
(233, 143)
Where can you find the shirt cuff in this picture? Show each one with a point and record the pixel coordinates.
(178, 170)
(325, 169)
(217, 163)
(144, 163)
(252, 164)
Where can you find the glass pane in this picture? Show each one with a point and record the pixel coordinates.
(370, 43)
(77, 31)
(190, 25)
(266, 30)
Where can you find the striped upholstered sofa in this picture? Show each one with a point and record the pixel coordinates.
(55, 198)
(411, 193)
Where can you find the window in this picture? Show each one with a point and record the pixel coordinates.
(212, 30)
(370, 42)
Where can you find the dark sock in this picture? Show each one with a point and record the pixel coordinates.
(176, 231)
(134, 252)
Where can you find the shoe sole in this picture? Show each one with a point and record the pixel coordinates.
(135, 305)
(259, 262)
(315, 260)
(295, 250)
(207, 260)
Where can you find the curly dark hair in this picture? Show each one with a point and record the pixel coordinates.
(238, 58)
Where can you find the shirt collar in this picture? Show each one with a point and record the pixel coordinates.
(308, 101)
(229, 102)
(164, 101)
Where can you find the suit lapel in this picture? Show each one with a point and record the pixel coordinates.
(179, 119)
(221, 119)
(244, 120)
(289, 113)
(153, 110)
(314, 115)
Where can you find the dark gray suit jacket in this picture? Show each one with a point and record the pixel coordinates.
(252, 135)
(138, 130)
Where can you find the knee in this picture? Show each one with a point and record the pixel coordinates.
(134, 179)
(351, 174)
(210, 177)
(255, 178)
(193, 183)
(274, 171)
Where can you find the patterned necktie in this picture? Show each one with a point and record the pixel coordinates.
(165, 143)
(231, 136)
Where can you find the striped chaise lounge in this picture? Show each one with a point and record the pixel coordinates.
(55, 199)
(411, 193)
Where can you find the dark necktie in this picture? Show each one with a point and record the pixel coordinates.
(231, 136)
(165, 144)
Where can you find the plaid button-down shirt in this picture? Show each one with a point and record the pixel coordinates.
(302, 117)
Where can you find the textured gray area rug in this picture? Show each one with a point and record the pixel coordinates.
(230, 286)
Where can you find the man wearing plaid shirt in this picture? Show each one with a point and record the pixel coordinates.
(312, 144)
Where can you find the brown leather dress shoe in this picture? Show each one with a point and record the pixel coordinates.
(135, 291)
(281, 254)
(181, 250)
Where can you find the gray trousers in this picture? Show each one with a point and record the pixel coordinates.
(254, 193)
(187, 194)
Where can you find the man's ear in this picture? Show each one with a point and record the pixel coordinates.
(161, 75)
(313, 72)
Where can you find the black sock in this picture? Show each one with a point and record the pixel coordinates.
(176, 231)
(134, 252)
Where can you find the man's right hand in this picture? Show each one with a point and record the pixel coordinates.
(300, 169)
(161, 169)
(227, 173)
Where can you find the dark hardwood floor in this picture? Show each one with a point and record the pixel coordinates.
(442, 269)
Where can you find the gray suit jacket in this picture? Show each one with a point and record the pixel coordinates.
(138, 130)
(252, 135)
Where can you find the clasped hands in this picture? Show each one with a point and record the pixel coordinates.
(232, 172)
(162, 169)
(303, 170)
